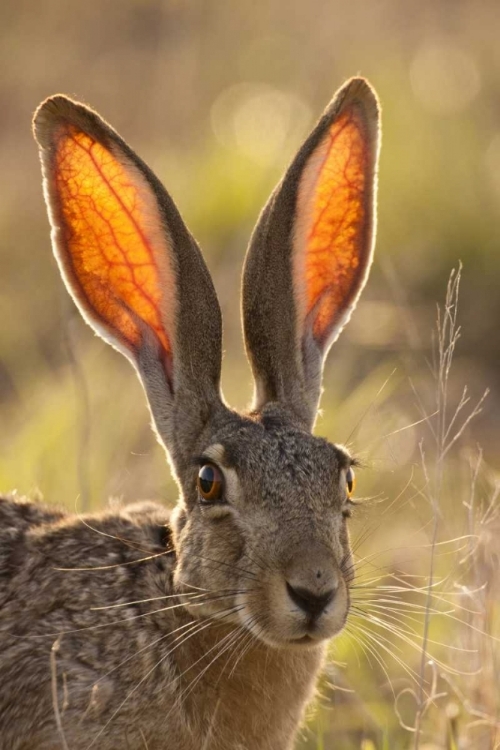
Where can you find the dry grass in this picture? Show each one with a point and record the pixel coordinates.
(421, 650)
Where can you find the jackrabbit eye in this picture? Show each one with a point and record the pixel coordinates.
(350, 481)
(210, 483)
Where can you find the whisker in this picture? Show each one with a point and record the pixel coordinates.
(126, 619)
(127, 542)
(247, 643)
(123, 564)
(397, 627)
(263, 565)
(187, 627)
(391, 591)
(249, 573)
(377, 640)
(146, 601)
(202, 627)
(369, 649)
(189, 689)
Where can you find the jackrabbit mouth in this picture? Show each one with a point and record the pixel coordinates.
(282, 624)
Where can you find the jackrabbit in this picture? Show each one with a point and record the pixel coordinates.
(130, 629)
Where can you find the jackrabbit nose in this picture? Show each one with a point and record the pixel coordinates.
(309, 602)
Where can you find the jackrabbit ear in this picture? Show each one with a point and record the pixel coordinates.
(311, 251)
(129, 262)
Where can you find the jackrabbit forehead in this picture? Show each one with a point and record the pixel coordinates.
(273, 459)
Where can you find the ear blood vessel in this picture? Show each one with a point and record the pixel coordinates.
(205, 627)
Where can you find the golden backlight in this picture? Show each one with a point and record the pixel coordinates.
(335, 232)
(109, 234)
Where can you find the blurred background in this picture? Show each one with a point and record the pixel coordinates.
(217, 97)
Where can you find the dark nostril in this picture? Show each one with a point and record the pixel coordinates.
(311, 603)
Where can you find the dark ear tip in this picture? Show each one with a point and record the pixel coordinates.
(47, 114)
(61, 109)
(358, 92)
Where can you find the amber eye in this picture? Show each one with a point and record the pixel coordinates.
(210, 483)
(350, 481)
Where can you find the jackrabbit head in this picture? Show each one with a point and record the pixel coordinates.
(261, 517)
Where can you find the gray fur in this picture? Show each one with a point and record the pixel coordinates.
(130, 629)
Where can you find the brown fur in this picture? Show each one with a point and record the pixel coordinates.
(205, 630)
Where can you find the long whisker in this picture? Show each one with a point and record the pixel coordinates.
(261, 563)
(369, 649)
(379, 642)
(249, 573)
(187, 627)
(202, 627)
(391, 591)
(400, 627)
(190, 594)
(250, 640)
(122, 564)
(126, 619)
(132, 544)
(224, 644)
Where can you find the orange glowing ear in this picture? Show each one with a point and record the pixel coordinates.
(108, 229)
(311, 251)
(132, 267)
(332, 242)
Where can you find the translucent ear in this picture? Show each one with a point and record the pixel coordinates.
(129, 262)
(108, 234)
(311, 252)
(334, 226)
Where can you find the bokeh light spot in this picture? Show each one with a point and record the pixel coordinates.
(444, 77)
(259, 120)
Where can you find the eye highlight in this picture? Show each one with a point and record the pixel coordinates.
(210, 483)
(350, 481)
